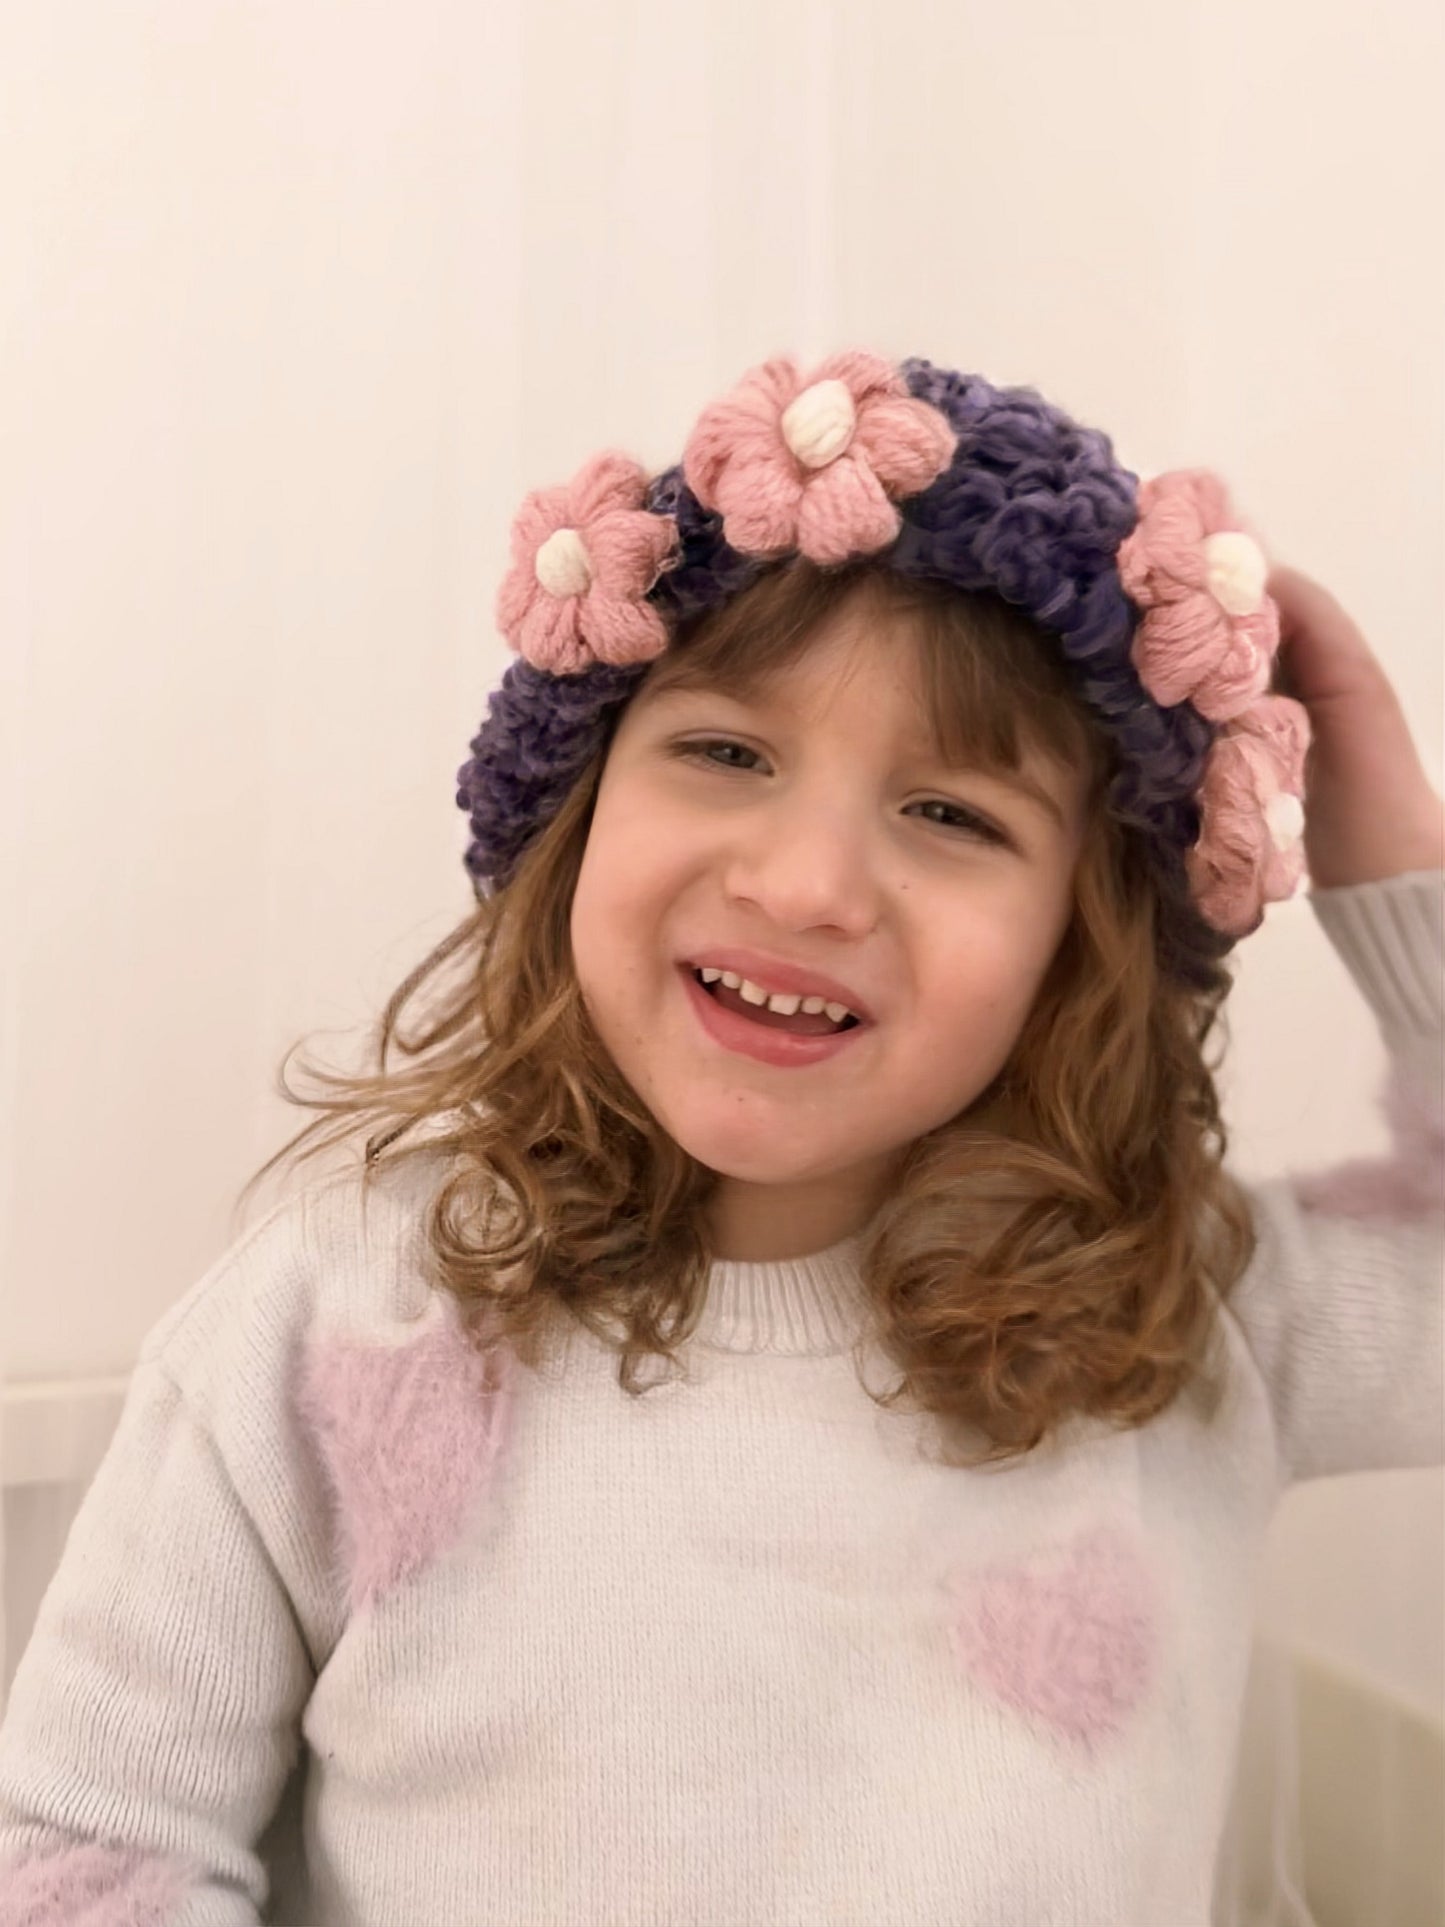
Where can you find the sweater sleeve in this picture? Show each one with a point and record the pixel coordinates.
(1341, 1306)
(154, 1716)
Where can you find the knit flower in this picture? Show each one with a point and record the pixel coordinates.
(1210, 632)
(810, 463)
(584, 556)
(1249, 851)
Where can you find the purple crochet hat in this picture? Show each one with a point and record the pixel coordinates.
(1154, 592)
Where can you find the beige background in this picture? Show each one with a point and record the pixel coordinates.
(299, 299)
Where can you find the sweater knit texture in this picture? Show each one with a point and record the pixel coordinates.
(355, 1627)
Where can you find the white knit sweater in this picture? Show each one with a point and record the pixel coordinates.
(354, 1629)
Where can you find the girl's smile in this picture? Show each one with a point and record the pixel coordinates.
(754, 1038)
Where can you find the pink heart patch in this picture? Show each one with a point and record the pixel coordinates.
(1067, 1639)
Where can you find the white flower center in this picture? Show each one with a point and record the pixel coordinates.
(1285, 819)
(818, 424)
(562, 564)
(1237, 571)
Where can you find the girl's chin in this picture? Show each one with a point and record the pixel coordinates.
(746, 1145)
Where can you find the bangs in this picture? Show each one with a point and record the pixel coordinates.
(992, 685)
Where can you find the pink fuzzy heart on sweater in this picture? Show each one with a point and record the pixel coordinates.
(1067, 1639)
(410, 1437)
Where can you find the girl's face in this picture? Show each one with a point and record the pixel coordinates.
(811, 841)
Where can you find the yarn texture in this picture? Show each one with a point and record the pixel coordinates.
(1153, 591)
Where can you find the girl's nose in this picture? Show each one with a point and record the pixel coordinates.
(806, 867)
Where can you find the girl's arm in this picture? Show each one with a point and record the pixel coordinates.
(1341, 1307)
(154, 1717)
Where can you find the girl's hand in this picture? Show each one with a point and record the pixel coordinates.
(1369, 809)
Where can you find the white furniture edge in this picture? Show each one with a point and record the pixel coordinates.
(55, 1431)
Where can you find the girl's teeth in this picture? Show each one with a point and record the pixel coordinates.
(786, 1006)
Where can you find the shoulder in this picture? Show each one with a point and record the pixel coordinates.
(341, 1254)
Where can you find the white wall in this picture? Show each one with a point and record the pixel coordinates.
(299, 299)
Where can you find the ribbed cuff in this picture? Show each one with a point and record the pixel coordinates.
(1390, 935)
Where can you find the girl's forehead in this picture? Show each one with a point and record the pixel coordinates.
(898, 713)
(879, 662)
(963, 694)
(833, 652)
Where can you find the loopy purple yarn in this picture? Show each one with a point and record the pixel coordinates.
(539, 734)
(1033, 508)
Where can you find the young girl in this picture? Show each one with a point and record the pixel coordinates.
(782, 1424)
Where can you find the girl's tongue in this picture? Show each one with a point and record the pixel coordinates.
(805, 1023)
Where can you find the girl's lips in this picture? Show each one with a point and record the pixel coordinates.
(778, 1047)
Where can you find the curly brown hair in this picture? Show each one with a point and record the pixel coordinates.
(1053, 1252)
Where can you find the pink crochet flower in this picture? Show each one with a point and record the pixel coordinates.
(1210, 632)
(1251, 804)
(584, 556)
(811, 462)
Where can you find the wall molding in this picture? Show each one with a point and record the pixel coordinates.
(55, 1430)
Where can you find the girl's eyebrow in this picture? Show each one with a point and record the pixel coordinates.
(1017, 780)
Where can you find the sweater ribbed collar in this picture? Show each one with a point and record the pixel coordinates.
(814, 1304)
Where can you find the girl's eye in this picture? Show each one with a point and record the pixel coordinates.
(701, 752)
(969, 820)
